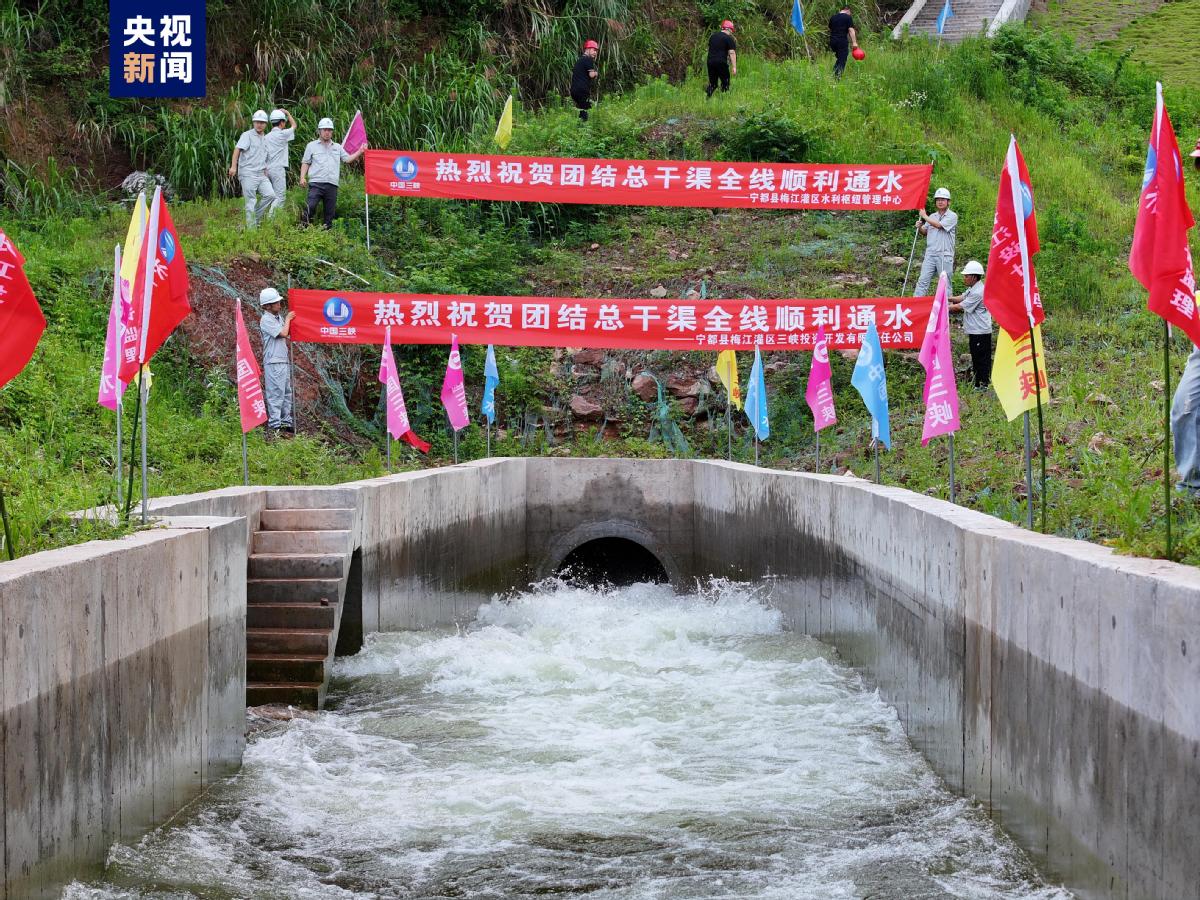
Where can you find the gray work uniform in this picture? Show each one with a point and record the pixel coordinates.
(277, 163)
(1185, 425)
(939, 250)
(324, 172)
(976, 318)
(252, 171)
(277, 380)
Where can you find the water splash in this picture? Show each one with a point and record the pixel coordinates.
(624, 744)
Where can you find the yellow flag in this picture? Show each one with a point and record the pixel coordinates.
(504, 128)
(132, 248)
(1012, 373)
(137, 379)
(728, 373)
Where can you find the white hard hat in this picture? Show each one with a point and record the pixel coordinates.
(260, 115)
(325, 123)
(268, 296)
(278, 115)
(973, 267)
(941, 194)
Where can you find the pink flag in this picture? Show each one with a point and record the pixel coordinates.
(1160, 257)
(454, 392)
(941, 392)
(250, 394)
(397, 412)
(111, 387)
(356, 135)
(819, 392)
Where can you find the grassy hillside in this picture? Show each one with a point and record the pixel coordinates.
(1082, 121)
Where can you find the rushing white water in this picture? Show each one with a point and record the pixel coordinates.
(628, 744)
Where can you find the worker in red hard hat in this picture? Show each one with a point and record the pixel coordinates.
(842, 37)
(582, 77)
(722, 58)
(1196, 155)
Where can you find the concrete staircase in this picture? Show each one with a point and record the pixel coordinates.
(300, 564)
(971, 17)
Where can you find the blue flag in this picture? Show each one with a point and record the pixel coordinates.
(871, 383)
(797, 17)
(491, 378)
(756, 400)
(943, 16)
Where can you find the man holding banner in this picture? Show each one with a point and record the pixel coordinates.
(321, 171)
(276, 333)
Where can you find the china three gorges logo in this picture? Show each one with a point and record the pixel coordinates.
(405, 168)
(337, 311)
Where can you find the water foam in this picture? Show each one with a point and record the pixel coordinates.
(624, 744)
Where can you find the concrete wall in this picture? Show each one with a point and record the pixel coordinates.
(122, 691)
(1051, 679)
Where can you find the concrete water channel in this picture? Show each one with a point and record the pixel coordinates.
(1049, 681)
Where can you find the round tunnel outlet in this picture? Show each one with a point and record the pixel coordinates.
(611, 561)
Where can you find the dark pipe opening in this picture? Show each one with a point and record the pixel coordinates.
(611, 560)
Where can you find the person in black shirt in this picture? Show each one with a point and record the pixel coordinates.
(722, 58)
(842, 37)
(581, 78)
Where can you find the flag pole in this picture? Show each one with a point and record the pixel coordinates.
(487, 430)
(367, 203)
(1028, 472)
(1167, 429)
(877, 460)
(728, 430)
(952, 467)
(137, 417)
(292, 375)
(817, 470)
(245, 462)
(911, 254)
(120, 403)
(1037, 387)
(455, 431)
(8, 541)
(387, 435)
(143, 398)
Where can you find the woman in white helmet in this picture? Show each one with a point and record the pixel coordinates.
(321, 171)
(939, 229)
(977, 323)
(249, 166)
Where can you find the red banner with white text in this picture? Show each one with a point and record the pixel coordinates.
(333, 317)
(640, 182)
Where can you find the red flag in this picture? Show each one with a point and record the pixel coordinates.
(249, 385)
(1010, 292)
(1160, 257)
(356, 134)
(21, 319)
(160, 292)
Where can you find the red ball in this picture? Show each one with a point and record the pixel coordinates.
(859, 53)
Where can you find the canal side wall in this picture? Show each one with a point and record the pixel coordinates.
(122, 691)
(1054, 681)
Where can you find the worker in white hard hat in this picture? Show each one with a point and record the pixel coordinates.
(977, 323)
(277, 370)
(281, 133)
(321, 170)
(939, 229)
(249, 165)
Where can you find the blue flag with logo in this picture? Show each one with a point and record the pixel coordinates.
(491, 378)
(946, 14)
(756, 400)
(871, 383)
(797, 17)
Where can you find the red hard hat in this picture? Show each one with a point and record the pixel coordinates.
(727, 24)
(859, 53)
(591, 45)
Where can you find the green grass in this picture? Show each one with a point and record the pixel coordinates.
(1091, 21)
(1167, 41)
(1081, 119)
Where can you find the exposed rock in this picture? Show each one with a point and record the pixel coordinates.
(848, 354)
(585, 409)
(592, 357)
(658, 292)
(681, 386)
(645, 388)
(1099, 441)
(692, 294)
(688, 405)
(895, 260)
